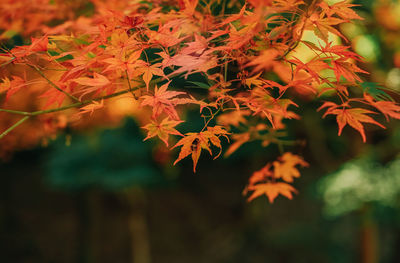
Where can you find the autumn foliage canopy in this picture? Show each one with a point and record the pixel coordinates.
(235, 63)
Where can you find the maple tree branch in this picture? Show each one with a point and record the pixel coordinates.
(25, 113)
(52, 83)
(80, 103)
(74, 105)
(14, 126)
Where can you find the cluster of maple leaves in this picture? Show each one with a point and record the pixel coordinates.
(244, 54)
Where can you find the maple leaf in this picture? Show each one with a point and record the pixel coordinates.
(95, 84)
(54, 96)
(188, 6)
(313, 67)
(348, 70)
(239, 38)
(37, 45)
(234, 17)
(255, 80)
(149, 71)
(353, 117)
(239, 139)
(162, 130)
(265, 60)
(261, 175)
(261, 102)
(193, 143)
(342, 9)
(340, 51)
(260, 3)
(322, 25)
(271, 190)
(193, 63)
(168, 35)
(388, 108)
(95, 105)
(285, 167)
(122, 63)
(120, 42)
(196, 47)
(233, 118)
(164, 101)
(98, 80)
(11, 86)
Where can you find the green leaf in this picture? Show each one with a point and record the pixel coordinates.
(9, 33)
(53, 53)
(200, 84)
(81, 41)
(376, 91)
(62, 59)
(65, 58)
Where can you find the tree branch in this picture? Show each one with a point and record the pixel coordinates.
(52, 83)
(14, 126)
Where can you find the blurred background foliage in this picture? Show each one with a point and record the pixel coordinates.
(103, 195)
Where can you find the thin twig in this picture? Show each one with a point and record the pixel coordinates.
(14, 126)
(25, 113)
(129, 84)
(52, 83)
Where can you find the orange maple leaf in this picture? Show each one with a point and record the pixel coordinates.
(164, 101)
(261, 102)
(37, 45)
(313, 67)
(149, 71)
(98, 80)
(342, 9)
(342, 67)
(162, 130)
(388, 108)
(265, 60)
(12, 86)
(188, 6)
(95, 105)
(353, 117)
(285, 167)
(339, 50)
(239, 139)
(261, 175)
(322, 25)
(123, 63)
(263, 181)
(271, 190)
(193, 143)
